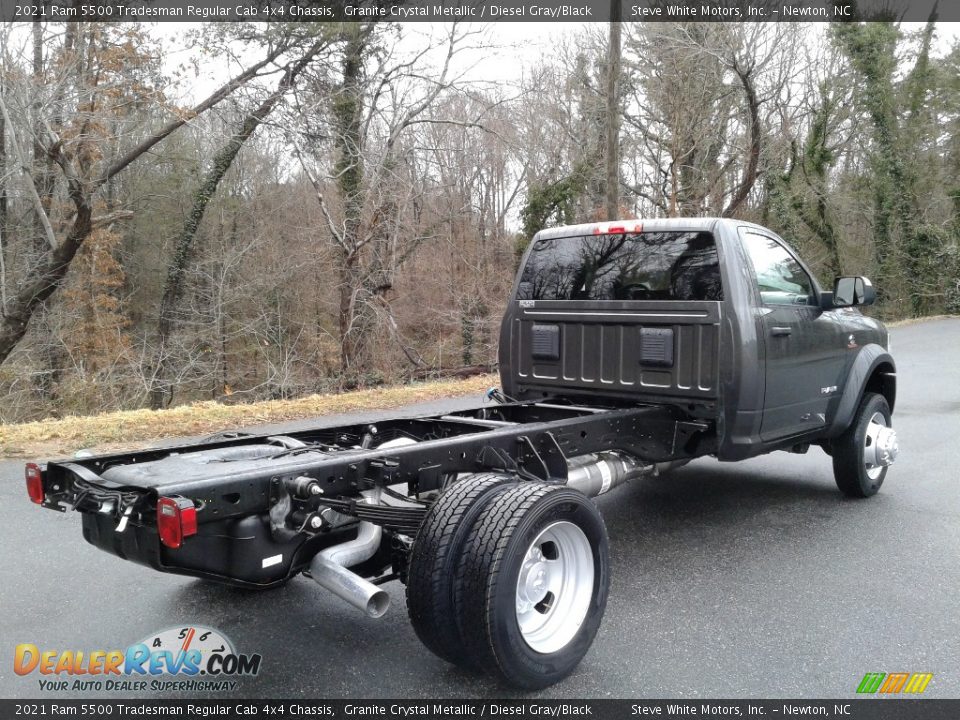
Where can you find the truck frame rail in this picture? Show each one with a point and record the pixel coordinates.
(283, 498)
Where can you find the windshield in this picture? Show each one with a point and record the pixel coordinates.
(636, 266)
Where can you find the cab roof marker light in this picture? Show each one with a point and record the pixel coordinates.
(617, 228)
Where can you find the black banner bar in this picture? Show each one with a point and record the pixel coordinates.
(476, 10)
(840, 709)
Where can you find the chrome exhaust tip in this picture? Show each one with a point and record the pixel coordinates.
(348, 586)
(329, 570)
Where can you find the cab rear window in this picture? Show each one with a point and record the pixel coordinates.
(635, 266)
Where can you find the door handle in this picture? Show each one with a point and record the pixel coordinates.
(780, 330)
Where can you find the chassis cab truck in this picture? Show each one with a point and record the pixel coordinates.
(627, 349)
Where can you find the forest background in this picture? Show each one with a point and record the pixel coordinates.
(343, 205)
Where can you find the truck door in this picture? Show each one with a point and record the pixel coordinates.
(804, 358)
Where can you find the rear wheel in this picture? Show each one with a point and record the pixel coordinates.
(434, 557)
(532, 587)
(862, 454)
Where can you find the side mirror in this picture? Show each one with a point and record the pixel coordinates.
(854, 290)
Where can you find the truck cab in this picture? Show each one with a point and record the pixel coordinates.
(720, 318)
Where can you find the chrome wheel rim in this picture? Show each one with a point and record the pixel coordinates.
(879, 446)
(554, 587)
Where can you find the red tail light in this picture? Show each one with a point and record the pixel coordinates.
(34, 483)
(176, 519)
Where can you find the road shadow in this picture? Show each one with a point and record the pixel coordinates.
(707, 489)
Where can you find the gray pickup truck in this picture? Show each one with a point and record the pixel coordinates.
(627, 348)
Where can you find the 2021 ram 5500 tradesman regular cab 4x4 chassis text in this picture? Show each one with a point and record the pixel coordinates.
(627, 348)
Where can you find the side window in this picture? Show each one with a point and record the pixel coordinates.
(780, 278)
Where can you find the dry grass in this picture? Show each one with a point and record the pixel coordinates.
(134, 428)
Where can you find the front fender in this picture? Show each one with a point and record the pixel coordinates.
(869, 361)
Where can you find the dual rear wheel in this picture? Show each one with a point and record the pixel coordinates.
(510, 578)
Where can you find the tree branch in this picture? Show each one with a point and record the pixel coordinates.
(753, 158)
(318, 189)
(105, 220)
(213, 99)
(28, 174)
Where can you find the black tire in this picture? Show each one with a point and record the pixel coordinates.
(486, 589)
(849, 469)
(434, 557)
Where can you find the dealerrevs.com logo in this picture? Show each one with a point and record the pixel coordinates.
(184, 659)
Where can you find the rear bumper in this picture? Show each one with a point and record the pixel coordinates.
(242, 550)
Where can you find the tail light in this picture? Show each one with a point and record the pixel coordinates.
(176, 519)
(34, 483)
(618, 228)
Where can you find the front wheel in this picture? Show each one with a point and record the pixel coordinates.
(532, 586)
(866, 449)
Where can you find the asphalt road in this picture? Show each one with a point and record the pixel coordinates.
(729, 580)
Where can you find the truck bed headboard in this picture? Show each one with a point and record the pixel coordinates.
(640, 350)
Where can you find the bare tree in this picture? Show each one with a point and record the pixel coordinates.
(701, 94)
(614, 110)
(378, 99)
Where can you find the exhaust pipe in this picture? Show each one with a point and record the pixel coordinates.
(329, 570)
(601, 472)
(329, 566)
(592, 475)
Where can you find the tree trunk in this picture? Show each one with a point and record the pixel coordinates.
(43, 177)
(349, 282)
(872, 51)
(4, 240)
(45, 279)
(348, 118)
(750, 171)
(613, 116)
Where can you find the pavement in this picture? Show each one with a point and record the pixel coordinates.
(729, 580)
